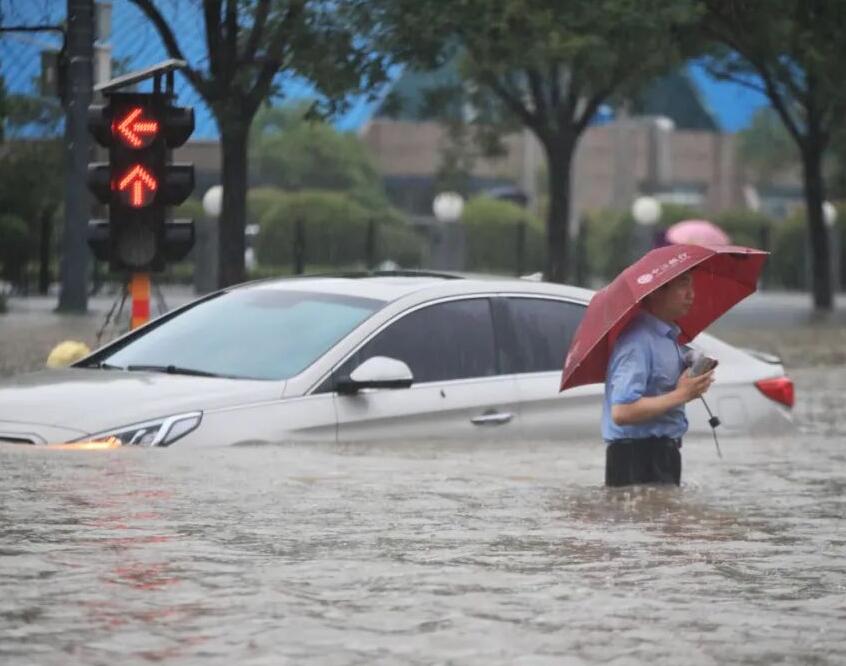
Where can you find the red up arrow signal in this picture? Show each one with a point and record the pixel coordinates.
(138, 186)
(135, 131)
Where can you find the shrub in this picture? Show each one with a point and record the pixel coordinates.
(335, 231)
(484, 209)
(607, 238)
(746, 227)
(672, 213)
(492, 231)
(788, 263)
(492, 246)
(260, 200)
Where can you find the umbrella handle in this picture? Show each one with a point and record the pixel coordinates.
(713, 421)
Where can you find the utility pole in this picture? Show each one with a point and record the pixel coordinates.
(73, 296)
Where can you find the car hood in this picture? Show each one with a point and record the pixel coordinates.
(88, 400)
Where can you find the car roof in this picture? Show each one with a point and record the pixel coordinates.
(390, 286)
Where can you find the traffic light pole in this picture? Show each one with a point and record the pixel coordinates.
(73, 296)
(139, 289)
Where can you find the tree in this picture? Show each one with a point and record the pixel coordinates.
(293, 152)
(249, 43)
(792, 51)
(766, 148)
(31, 179)
(549, 64)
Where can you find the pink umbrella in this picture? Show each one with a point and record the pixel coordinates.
(696, 232)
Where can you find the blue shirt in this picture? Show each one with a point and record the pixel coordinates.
(646, 361)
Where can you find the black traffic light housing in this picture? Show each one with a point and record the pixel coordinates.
(139, 182)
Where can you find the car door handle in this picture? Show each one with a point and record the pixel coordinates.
(492, 419)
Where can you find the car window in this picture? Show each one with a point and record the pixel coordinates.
(249, 333)
(452, 340)
(542, 330)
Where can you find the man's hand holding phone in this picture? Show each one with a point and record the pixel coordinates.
(698, 378)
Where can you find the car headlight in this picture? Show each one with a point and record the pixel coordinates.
(158, 432)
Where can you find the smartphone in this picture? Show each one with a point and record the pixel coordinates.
(702, 365)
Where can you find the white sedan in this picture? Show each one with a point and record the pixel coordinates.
(397, 356)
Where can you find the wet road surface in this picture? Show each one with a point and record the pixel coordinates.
(444, 553)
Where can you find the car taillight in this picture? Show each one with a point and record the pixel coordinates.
(779, 389)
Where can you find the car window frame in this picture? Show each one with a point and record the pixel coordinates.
(508, 322)
(322, 386)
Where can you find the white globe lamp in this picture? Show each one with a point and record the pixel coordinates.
(448, 207)
(646, 211)
(213, 201)
(829, 214)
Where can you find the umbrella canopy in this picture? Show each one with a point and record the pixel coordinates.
(722, 277)
(696, 232)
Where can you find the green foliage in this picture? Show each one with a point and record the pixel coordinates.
(493, 229)
(16, 246)
(191, 209)
(292, 153)
(546, 65)
(766, 148)
(492, 246)
(260, 200)
(608, 242)
(336, 230)
(31, 178)
(487, 209)
(672, 213)
(787, 265)
(746, 227)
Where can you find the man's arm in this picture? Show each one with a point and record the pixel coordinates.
(649, 408)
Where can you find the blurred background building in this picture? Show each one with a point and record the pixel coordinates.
(675, 140)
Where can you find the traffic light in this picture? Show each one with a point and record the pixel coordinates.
(139, 182)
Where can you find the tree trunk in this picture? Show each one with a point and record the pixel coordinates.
(814, 197)
(45, 243)
(232, 222)
(559, 157)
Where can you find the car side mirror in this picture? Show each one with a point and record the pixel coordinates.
(379, 372)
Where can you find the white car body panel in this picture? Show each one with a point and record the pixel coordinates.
(72, 402)
(434, 410)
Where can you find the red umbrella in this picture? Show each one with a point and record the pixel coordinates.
(722, 277)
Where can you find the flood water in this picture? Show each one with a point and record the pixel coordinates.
(427, 554)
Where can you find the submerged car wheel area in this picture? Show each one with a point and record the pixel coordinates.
(372, 357)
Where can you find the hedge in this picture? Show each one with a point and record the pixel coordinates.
(335, 231)
(492, 247)
(609, 236)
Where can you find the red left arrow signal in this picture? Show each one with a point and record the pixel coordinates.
(135, 130)
(138, 186)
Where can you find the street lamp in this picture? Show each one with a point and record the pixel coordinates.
(646, 212)
(213, 201)
(829, 214)
(834, 240)
(448, 206)
(448, 240)
(205, 254)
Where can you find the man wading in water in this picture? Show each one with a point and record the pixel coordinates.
(646, 388)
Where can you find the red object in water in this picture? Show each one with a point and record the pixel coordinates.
(779, 389)
(722, 277)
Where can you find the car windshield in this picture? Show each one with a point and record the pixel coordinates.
(248, 333)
